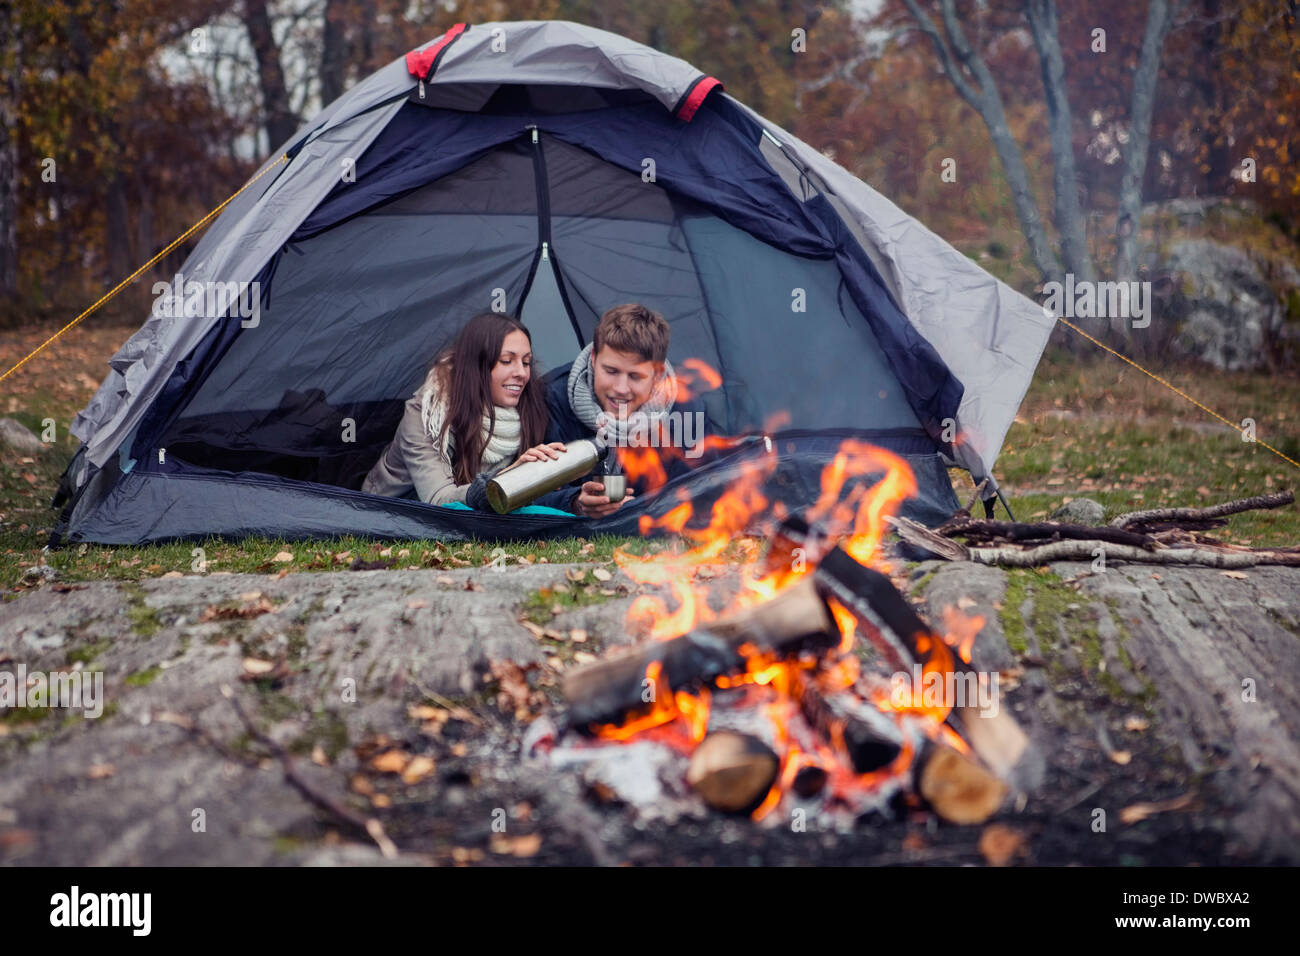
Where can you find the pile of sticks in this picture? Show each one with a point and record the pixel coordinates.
(1158, 536)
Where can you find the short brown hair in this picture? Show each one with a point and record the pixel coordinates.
(633, 328)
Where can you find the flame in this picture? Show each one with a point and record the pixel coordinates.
(689, 371)
(860, 487)
(960, 631)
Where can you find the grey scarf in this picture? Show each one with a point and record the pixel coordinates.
(582, 399)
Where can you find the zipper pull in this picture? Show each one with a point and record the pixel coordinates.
(534, 135)
(421, 87)
(546, 251)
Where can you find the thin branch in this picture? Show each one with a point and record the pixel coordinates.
(1260, 502)
(367, 825)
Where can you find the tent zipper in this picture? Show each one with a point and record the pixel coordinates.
(544, 230)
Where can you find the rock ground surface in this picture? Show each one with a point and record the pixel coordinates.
(1139, 685)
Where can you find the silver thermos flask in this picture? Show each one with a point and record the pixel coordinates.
(524, 483)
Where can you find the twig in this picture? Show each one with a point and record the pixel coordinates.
(1277, 500)
(979, 489)
(367, 825)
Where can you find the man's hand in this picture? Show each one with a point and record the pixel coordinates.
(594, 503)
(542, 452)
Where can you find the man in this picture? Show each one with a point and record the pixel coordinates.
(621, 386)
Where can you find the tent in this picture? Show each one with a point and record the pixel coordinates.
(552, 170)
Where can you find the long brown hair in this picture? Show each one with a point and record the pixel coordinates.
(464, 378)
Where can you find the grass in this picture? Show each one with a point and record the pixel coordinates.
(1089, 426)
(1093, 427)
(543, 604)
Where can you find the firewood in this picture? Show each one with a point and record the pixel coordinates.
(1020, 531)
(613, 689)
(871, 739)
(732, 771)
(1276, 500)
(885, 617)
(956, 786)
(1011, 556)
(793, 542)
(809, 780)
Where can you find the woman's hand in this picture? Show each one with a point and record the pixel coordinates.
(592, 501)
(548, 452)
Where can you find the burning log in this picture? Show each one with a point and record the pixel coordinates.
(611, 690)
(869, 739)
(794, 546)
(733, 772)
(885, 616)
(957, 787)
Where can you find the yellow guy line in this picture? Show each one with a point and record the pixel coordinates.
(1173, 388)
(127, 281)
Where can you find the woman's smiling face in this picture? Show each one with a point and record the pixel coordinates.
(512, 369)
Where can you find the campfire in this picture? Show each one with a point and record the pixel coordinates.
(815, 685)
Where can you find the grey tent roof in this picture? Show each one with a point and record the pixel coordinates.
(990, 336)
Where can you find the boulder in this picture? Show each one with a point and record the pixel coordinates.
(1080, 511)
(16, 436)
(1227, 311)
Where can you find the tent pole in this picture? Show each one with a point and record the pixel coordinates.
(1002, 498)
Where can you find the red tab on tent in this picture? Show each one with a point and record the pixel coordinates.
(420, 62)
(695, 96)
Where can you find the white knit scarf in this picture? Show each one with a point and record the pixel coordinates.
(500, 443)
(582, 399)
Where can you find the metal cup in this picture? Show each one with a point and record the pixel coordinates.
(615, 486)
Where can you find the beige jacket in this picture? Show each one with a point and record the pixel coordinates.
(413, 460)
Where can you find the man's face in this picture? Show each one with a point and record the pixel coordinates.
(623, 381)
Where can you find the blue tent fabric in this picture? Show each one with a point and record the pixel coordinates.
(714, 160)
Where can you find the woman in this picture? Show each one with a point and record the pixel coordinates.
(478, 406)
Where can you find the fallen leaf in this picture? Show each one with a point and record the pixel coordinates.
(318, 756)
(100, 771)
(965, 602)
(416, 603)
(472, 585)
(578, 635)
(390, 761)
(362, 785)
(381, 800)
(443, 579)
(999, 843)
(1136, 724)
(257, 667)
(1137, 812)
(520, 846)
(534, 629)
(1239, 575)
(582, 657)
(283, 557)
(174, 574)
(1121, 757)
(600, 574)
(575, 574)
(419, 768)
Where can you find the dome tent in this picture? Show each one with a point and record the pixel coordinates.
(556, 170)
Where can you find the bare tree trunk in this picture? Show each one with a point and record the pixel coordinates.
(278, 119)
(1044, 26)
(1160, 17)
(987, 101)
(334, 53)
(10, 63)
